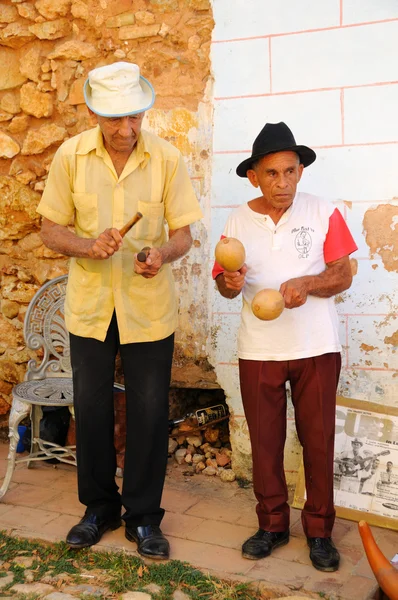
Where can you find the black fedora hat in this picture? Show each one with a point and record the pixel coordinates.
(275, 137)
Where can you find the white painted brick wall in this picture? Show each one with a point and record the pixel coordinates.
(229, 189)
(340, 57)
(248, 18)
(315, 119)
(357, 11)
(354, 173)
(235, 74)
(349, 173)
(370, 114)
(332, 76)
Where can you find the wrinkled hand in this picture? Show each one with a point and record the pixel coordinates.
(106, 244)
(295, 292)
(151, 266)
(235, 280)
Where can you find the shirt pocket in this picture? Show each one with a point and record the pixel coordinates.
(86, 217)
(150, 227)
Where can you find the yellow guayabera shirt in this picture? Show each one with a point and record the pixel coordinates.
(83, 184)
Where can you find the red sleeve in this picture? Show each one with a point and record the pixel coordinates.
(339, 241)
(217, 269)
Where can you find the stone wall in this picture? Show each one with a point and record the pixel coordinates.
(47, 48)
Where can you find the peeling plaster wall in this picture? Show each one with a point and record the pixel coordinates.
(328, 69)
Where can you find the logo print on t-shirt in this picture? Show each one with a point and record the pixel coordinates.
(303, 243)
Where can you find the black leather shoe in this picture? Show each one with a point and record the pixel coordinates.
(151, 542)
(263, 542)
(323, 554)
(90, 530)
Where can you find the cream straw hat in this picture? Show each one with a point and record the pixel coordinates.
(118, 90)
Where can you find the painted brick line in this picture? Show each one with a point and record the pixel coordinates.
(304, 31)
(270, 64)
(341, 315)
(342, 115)
(311, 91)
(338, 201)
(229, 364)
(326, 147)
(359, 144)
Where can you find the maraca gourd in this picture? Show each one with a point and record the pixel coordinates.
(230, 254)
(268, 304)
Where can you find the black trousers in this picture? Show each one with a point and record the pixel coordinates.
(147, 371)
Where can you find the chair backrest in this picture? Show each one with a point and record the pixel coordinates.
(44, 328)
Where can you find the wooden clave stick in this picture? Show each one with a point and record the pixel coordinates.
(126, 228)
(142, 256)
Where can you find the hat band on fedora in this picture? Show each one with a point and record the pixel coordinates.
(116, 103)
(275, 137)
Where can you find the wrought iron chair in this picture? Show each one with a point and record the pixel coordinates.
(47, 383)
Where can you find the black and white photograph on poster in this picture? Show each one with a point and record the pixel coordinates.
(365, 464)
(366, 461)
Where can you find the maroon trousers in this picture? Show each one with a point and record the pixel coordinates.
(313, 383)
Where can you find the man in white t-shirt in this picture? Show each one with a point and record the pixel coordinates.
(298, 244)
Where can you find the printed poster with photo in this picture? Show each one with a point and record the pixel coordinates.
(365, 464)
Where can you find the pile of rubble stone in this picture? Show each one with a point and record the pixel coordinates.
(206, 450)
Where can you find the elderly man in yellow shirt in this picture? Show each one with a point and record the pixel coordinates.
(99, 179)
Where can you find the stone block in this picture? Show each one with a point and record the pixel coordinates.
(36, 103)
(37, 140)
(8, 146)
(165, 5)
(52, 9)
(80, 10)
(8, 14)
(74, 50)
(145, 17)
(121, 20)
(19, 124)
(32, 588)
(10, 103)
(15, 35)
(138, 31)
(199, 4)
(31, 61)
(5, 116)
(10, 76)
(27, 11)
(51, 30)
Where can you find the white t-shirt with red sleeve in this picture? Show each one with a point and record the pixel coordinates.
(310, 234)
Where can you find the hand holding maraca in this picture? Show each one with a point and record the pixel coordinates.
(230, 255)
